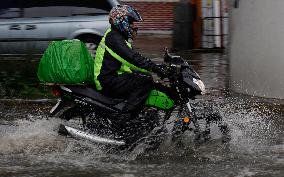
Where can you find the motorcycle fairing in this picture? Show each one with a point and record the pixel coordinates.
(160, 100)
(189, 77)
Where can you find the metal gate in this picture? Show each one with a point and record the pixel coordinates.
(215, 24)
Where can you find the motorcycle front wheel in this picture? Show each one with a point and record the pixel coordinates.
(200, 124)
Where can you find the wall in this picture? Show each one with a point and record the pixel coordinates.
(257, 48)
(157, 14)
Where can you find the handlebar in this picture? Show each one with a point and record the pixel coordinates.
(172, 59)
(175, 64)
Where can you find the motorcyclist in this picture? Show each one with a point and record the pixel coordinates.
(120, 71)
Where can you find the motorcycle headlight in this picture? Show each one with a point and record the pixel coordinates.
(200, 84)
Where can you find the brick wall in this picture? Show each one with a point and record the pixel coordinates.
(157, 15)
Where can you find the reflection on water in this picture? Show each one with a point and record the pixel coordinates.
(30, 145)
(18, 79)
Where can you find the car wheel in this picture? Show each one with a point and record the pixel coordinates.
(92, 47)
(91, 44)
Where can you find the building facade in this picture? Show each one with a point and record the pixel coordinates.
(157, 14)
(209, 27)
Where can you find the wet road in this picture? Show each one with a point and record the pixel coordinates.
(30, 145)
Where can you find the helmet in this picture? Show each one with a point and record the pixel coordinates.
(122, 17)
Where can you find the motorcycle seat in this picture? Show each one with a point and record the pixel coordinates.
(92, 93)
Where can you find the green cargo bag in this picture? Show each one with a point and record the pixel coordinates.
(66, 62)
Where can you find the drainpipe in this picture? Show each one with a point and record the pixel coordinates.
(183, 31)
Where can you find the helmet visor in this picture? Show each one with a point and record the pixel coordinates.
(135, 16)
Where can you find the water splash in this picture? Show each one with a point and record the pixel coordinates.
(30, 139)
(254, 126)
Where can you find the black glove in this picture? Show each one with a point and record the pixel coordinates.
(161, 70)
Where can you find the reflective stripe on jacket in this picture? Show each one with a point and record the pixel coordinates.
(100, 53)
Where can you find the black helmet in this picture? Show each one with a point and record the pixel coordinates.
(121, 18)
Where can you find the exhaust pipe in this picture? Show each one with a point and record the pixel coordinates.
(66, 130)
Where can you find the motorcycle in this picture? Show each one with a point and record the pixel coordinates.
(98, 113)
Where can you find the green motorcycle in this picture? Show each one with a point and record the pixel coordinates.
(98, 113)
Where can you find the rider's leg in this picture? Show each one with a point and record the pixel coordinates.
(134, 87)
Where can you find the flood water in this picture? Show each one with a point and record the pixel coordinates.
(31, 146)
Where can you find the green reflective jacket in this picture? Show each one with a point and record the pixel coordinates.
(125, 66)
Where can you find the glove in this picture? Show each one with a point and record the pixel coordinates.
(161, 70)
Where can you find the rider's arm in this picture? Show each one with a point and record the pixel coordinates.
(117, 43)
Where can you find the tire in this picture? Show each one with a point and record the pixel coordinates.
(202, 133)
(91, 43)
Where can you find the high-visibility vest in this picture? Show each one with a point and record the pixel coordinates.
(125, 66)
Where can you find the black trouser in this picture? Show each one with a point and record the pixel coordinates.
(134, 87)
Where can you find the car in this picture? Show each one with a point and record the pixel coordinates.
(27, 26)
